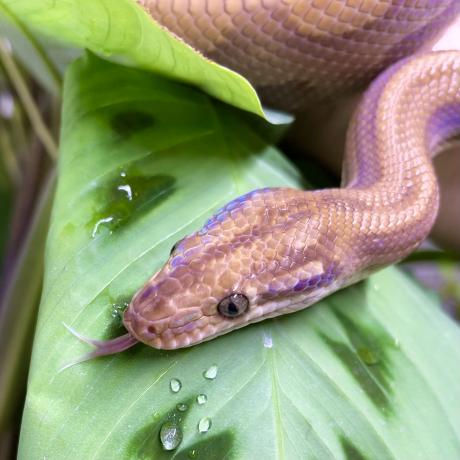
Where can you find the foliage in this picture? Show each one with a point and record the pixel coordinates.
(368, 373)
(371, 372)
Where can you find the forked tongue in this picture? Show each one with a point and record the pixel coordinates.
(101, 347)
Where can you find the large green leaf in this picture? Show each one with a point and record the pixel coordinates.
(371, 372)
(123, 30)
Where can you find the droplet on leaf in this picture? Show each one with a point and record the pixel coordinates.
(170, 435)
(175, 385)
(204, 425)
(182, 407)
(211, 373)
(201, 399)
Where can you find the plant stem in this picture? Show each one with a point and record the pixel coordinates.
(9, 158)
(18, 309)
(27, 101)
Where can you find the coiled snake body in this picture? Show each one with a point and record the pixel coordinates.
(274, 251)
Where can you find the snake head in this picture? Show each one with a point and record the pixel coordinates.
(262, 255)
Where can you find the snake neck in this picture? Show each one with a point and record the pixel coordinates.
(404, 118)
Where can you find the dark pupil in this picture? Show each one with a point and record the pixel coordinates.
(232, 308)
(233, 305)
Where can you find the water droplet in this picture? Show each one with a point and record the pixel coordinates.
(193, 453)
(118, 310)
(125, 196)
(201, 399)
(127, 189)
(268, 341)
(170, 435)
(175, 385)
(105, 220)
(204, 425)
(211, 373)
(368, 356)
(182, 407)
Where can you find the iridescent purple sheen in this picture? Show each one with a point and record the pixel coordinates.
(148, 291)
(443, 125)
(176, 261)
(308, 283)
(235, 204)
(315, 281)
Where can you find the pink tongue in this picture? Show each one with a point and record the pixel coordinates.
(102, 347)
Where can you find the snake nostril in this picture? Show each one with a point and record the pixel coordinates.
(152, 330)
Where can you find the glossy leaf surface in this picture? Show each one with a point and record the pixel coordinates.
(371, 372)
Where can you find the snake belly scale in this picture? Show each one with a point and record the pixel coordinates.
(278, 250)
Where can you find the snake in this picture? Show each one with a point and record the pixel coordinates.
(275, 251)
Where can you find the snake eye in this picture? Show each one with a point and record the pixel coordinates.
(234, 305)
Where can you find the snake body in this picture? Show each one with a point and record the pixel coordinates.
(277, 250)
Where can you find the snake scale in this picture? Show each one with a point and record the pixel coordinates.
(277, 250)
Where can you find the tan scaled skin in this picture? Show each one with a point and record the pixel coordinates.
(262, 247)
(284, 249)
(301, 51)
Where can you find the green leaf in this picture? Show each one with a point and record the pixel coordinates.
(371, 372)
(18, 311)
(123, 30)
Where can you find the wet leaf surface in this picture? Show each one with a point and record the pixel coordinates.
(371, 372)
